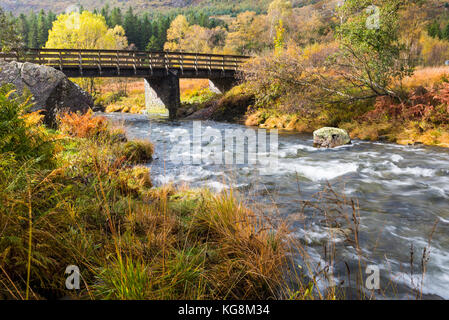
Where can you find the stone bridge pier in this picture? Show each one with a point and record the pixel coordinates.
(165, 92)
(221, 85)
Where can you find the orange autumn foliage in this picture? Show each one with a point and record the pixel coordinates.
(82, 125)
(423, 104)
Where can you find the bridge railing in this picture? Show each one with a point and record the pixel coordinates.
(83, 59)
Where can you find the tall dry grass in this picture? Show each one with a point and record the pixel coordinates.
(94, 209)
(198, 246)
(427, 77)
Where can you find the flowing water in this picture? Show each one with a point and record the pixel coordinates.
(402, 191)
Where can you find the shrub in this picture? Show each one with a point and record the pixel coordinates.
(295, 81)
(430, 105)
(118, 135)
(135, 180)
(197, 96)
(82, 125)
(131, 104)
(22, 134)
(138, 151)
(232, 106)
(109, 98)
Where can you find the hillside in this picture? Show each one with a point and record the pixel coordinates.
(18, 6)
(61, 5)
(58, 6)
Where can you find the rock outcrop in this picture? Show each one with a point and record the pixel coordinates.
(330, 138)
(52, 91)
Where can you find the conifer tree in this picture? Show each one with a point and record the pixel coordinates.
(42, 31)
(9, 37)
(446, 32)
(129, 24)
(105, 14)
(434, 30)
(116, 18)
(51, 17)
(33, 34)
(23, 27)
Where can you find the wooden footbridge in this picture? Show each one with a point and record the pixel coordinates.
(161, 70)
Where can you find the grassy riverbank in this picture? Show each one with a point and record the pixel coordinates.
(78, 196)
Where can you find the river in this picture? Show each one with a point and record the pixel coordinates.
(402, 191)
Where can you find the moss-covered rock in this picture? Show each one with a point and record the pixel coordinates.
(330, 137)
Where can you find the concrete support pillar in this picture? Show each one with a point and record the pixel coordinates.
(163, 92)
(221, 86)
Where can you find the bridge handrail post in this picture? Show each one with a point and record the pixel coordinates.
(166, 62)
(60, 59)
(117, 62)
(210, 64)
(150, 61)
(196, 63)
(181, 61)
(99, 61)
(80, 58)
(134, 63)
(223, 64)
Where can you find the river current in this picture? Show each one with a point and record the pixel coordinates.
(402, 191)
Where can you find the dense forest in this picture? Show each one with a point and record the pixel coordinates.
(228, 21)
(146, 31)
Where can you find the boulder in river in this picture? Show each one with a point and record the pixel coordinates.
(52, 91)
(330, 138)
